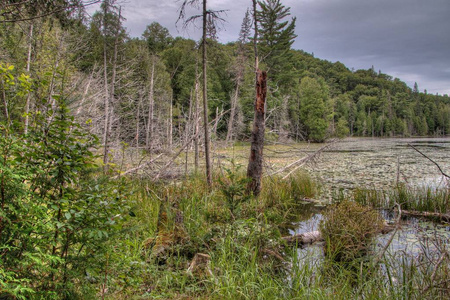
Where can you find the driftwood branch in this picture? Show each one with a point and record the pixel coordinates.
(303, 238)
(312, 237)
(428, 215)
(435, 163)
(298, 163)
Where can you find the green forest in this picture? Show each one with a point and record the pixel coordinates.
(77, 92)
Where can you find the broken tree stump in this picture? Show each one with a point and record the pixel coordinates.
(200, 264)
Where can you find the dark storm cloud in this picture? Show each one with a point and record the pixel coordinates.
(408, 39)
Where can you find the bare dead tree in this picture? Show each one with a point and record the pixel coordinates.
(109, 91)
(209, 19)
(149, 132)
(255, 162)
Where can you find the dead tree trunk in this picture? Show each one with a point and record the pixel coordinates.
(197, 125)
(109, 96)
(187, 132)
(234, 101)
(205, 100)
(255, 163)
(170, 125)
(149, 132)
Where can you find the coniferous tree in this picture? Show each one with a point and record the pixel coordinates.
(275, 40)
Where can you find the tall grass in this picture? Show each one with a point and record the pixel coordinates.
(248, 260)
(419, 199)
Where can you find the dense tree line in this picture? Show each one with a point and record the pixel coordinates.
(145, 91)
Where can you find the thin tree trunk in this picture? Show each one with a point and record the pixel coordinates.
(27, 105)
(205, 102)
(106, 104)
(149, 132)
(170, 127)
(188, 123)
(233, 112)
(255, 163)
(137, 121)
(110, 97)
(255, 40)
(51, 100)
(197, 125)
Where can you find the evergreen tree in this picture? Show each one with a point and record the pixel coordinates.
(158, 37)
(275, 40)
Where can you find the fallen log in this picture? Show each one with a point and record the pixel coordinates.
(303, 238)
(312, 237)
(427, 215)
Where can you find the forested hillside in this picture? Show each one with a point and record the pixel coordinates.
(144, 91)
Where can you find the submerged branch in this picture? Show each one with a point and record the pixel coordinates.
(437, 165)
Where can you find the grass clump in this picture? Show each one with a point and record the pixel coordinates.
(422, 199)
(348, 229)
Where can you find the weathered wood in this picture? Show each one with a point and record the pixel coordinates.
(205, 101)
(312, 237)
(304, 238)
(427, 215)
(200, 264)
(255, 163)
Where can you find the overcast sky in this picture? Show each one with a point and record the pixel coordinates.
(408, 39)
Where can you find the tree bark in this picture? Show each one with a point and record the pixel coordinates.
(149, 132)
(187, 132)
(197, 125)
(205, 101)
(255, 163)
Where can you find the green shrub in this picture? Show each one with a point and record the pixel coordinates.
(348, 229)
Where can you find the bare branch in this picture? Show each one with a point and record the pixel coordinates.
(437, 165)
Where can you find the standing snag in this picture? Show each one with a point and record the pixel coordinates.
(254, 170)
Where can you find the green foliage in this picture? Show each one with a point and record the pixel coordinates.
(55, 214)
(233, 186)
(275, 41)
(13, 89)
(313, 96)
(158, 37)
